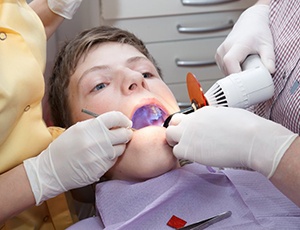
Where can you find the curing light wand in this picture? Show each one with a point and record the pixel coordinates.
(252, 85)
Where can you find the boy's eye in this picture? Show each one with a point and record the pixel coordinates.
(147, 75)
(100, 86)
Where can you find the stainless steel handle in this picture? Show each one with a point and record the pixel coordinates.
(204, 2)
(184, 105)
(183, 63)
(184, 29)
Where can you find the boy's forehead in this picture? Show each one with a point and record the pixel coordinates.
(112, 52)
(122, 49)
(107, 56)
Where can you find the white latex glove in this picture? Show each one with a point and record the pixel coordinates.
(64, 8)
(79, 156)
(250, 35)
(229, 137)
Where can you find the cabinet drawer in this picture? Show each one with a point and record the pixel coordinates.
(121, 9)
(200, 50)
(179, 27)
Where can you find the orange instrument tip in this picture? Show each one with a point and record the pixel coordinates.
(195, 91)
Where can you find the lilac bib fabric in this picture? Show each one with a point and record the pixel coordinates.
(193, 193)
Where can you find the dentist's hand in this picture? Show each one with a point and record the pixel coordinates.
(79, 156)
(250, 35)
(229, 137)
(64, 8)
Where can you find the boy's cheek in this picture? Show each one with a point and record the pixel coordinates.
(147, 155)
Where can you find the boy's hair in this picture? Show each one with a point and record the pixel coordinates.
(67, 60)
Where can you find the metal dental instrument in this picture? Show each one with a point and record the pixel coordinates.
(96, 115)
(90, 113)
(207, 222)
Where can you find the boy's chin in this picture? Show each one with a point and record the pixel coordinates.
(152, 127)
(156, 155)
(146, 156)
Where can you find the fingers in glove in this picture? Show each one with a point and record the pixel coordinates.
(120, 135)
(173, 135)
(176, 119)
(268, 58)
(219, 57)
(233, 58)
(119, 149)
(180, 152)
(115, 119)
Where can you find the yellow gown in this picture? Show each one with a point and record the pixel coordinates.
(23, 133)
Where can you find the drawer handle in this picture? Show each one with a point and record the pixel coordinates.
(184, 105)
(183, 29)
(204, 2)
(182, 63)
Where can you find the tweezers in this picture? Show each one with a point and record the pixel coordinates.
(207, 222)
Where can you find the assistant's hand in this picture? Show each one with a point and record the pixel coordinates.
(229, 137)
(79, 156)
(64, 8)
(250, 35)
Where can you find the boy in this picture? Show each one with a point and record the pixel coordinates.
(106, 69)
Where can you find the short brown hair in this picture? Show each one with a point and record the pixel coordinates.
(67, 60)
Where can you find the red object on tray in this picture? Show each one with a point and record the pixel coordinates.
(176, 222)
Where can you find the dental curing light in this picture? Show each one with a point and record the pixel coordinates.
(252, 85)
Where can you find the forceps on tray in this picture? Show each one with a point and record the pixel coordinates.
(207, 222)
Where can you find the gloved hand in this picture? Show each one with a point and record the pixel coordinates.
(79, 156)
(250, 35)
(229, 137)
(64, 8)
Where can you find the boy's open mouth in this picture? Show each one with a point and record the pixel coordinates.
(148, 115)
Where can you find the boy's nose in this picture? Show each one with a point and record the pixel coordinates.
(133, 82)
(133, 86)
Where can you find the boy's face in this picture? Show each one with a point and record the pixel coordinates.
(117, 77)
